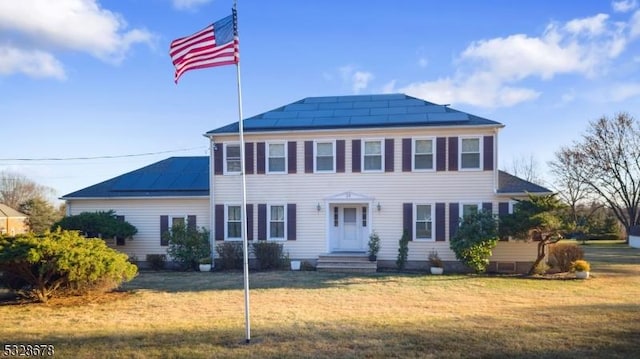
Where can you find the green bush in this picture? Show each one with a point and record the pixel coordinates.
(562, 255)
(229, 255)
(157, 261)
(61, 263)
(187, 245)
(306, 266)
(474, 240)
(104, 224)
(270, 255)
(403, 250)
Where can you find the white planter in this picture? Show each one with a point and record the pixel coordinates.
(295, 265)
(204, 267)
(437, 270)
(582, 275)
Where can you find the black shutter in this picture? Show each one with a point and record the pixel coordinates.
(356, 156)
(218, 160)
(407, 219)
(120, 241)
(292, 156)
(219, 222)
(249, 222)
(441, 154)
(389, 161)
(406, 155)
(487, 149)
(291, 222)
(454, 218)
(453, 153)
(248, 158)
(340, 156)
(487, 206)
(262, 222)
(503, 210)
(164, 228)
(440, 223)
(260, 165)
(191, 222)
(308, 156)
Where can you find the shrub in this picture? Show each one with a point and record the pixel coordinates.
(306, 266)
(187, 245)
(229, 255)
(562, 255)
(474, 240)
(157, 261)
(374, 244)
(403, 250)
(580, 266)
(61, 263)
(434, 259)
(269, 254)
(104, 224)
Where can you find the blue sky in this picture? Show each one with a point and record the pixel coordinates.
(87, 78)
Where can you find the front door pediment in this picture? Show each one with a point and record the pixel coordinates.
(349, 197)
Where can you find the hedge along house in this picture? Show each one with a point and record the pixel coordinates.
(152, 198)
(323, 173)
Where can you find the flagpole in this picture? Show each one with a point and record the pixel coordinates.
(245, 244)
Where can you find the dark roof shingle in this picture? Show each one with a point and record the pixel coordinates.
(510, 184)
(362, 111)
(172, 177)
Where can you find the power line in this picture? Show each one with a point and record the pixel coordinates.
(101, 157)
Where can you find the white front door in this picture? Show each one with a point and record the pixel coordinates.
(349, 229)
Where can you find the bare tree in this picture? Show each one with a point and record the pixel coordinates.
(15, 189)
(567, 180)
(526, 168)
(609, 158)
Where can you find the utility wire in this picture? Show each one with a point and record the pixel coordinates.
(101, 157)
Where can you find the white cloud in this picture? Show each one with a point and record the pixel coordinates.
(33, 63)
(361, 81)
(357, 80)
(77, 25)
(624, 5)
(624, 91)
(490, 72)
(189, 4)
(389, 87)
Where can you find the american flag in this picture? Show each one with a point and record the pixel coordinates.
(215, 45)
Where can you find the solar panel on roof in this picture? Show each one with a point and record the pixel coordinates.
(369, 120)
(388, 111)
(406, 102)
(448, 117)
(293, 122)
(352, 112)
(330, 121)
(279, 114)
(301, 107)
(354, 98)
(316, 113)
(320, 99)
(370, 104)
(426, 109)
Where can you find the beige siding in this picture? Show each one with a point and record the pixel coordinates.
(515, 251)
(145, 214)
(389, 189)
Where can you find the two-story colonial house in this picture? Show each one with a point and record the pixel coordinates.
(323, 173)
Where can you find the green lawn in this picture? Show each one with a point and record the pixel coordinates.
(318, 315)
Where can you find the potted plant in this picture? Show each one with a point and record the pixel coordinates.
(582, 268)
(204, 264)
(374, 246)
(437, 267)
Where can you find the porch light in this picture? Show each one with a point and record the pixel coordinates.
(318, 208)
(379, 207)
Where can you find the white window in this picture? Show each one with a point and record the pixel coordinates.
(277, 226)
(424, 221)
(372, 151)
(423, 154)
(325, 157)
(276, 158)
(469, 208)
(232, 163)
(470, 149)
(178, 221)
(233, 222)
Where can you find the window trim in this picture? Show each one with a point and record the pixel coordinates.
(284, 221)
(433, 154)
(267, 157)
(315, 156)
(467, 203)
(226, 222)
(480, 153)
(433, 221)
(363, 154)
(224, 158)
